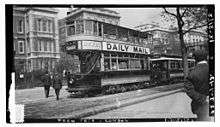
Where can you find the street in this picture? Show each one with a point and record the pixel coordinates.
(172, 106)
(37, 106)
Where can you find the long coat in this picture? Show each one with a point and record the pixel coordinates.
(46, 80)
(57, 82)
(198, 86)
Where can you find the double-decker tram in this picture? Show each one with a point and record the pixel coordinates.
(168, 69)
(110, 58)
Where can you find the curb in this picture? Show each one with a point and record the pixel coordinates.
(103, 108)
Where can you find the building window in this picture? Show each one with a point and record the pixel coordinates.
(44, 25)
(49, 26)
(50, 46)
(36, 45)
(28, 46)
(39, 24)
(54, 47)
(21, 46)
(45, 46)
(20, 26)
(40, 49)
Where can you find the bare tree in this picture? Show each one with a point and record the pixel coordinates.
(187, 19)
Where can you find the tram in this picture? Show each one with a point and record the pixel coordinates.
(168, 69)
(109, 62)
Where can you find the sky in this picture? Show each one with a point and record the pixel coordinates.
(131, 17)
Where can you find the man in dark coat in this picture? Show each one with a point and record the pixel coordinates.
(57, 84)
(197, 86)
(68, 78)
(47, 83)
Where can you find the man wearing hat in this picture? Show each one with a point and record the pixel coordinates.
(57, 84)
(47, 83)
(197, 86)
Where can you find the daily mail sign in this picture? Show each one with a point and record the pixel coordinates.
(108, 46)
(125, 48)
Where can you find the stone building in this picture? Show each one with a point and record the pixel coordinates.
(166, 41)
(35, 38)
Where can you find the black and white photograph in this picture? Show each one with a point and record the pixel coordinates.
(72, 63)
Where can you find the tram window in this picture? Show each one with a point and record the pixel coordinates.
(107, 64)
(88, 27)
(180, 65)
(189, 64)
(106, 54)
(79, 27)
(120, 55)
(114, 55)
(164, 66)
(126, 55)
(99, 29)
(123, 63)
(142, 64)
(135, 64)
(146, 65)
(114, 64)
(172, 64)
(132, 55)
(71, 30)
(177, 64)
(95, 28)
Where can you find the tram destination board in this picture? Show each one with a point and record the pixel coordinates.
(76, 68)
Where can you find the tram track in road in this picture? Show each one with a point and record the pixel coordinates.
(56, 109)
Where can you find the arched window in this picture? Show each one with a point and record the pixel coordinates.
(20, 26)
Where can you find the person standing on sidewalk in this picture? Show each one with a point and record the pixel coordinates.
(47, 83)
(197, 86)
(57, 84)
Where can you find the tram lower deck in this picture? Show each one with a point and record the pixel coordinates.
(103, 71)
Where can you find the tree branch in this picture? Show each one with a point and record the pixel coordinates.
(194, 27)
(184, 13)
(169, 12)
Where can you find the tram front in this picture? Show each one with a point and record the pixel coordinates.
(84, 76)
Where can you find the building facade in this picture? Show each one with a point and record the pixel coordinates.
(19, 39)
(35, 32)
(166, 41)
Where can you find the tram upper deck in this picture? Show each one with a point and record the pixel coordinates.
(116, 48)
(90, 30)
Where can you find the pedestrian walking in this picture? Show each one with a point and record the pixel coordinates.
(57, 84)
(47, 83)
(197, 86)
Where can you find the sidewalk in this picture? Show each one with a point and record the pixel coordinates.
(47, 108)
(115, 105)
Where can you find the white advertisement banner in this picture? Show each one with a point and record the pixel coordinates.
(125, 48)
(91, 45)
